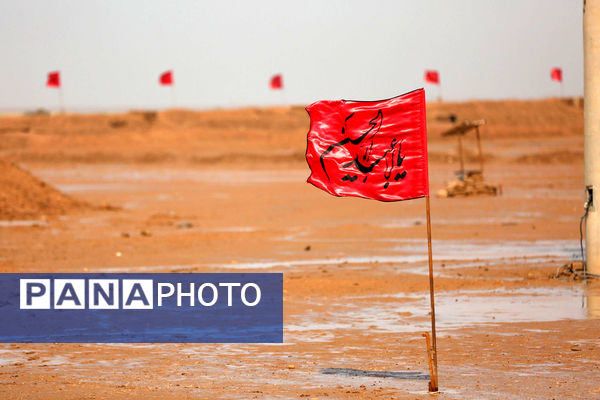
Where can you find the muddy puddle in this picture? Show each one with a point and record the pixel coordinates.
(99, 187)
(489, 249)
(454, 310)
(508, 218)
(22, 223)
(414, 251)
(94, 176)
(406, 254)
(374, 374)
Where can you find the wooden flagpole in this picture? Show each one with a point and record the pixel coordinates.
(479, 148)
(433, 383)
(283, 97)
(562, 93)
(461, 157)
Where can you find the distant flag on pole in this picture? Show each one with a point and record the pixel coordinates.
(53, 80)
(556, 74)
(166, 78)
(371, 149)
(276, 82)
(432, 77)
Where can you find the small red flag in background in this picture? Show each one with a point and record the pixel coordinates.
(166, 78)
(556, 74)
(53, 80)
(276, 82)
(371, 149)
(432, 77)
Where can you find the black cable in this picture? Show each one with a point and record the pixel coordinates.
(569, 267)
(584, 274)
(583, 217)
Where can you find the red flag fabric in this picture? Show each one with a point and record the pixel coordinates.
(276, 82)
(556, 74)
(432, 77)
(371, 149)
(53, 80)
(166, 78)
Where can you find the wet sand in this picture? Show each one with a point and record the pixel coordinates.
(355, 271)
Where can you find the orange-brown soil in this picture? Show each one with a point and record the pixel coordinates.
(23, 196)
(225, 191)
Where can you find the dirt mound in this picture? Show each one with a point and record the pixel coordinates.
(23, 196)
(78, 124)
(553, 157)
(512, 118)
(250, 136)
(276, 134)
(451, 156)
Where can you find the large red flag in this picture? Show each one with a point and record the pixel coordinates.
(432, 77)
(53, 80)
(276, 82)
(556, 74)
(166, 78)
(371, 149)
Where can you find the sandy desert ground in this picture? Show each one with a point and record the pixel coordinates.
(225, 191)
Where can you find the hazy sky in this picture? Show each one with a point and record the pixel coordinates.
(110, 53)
